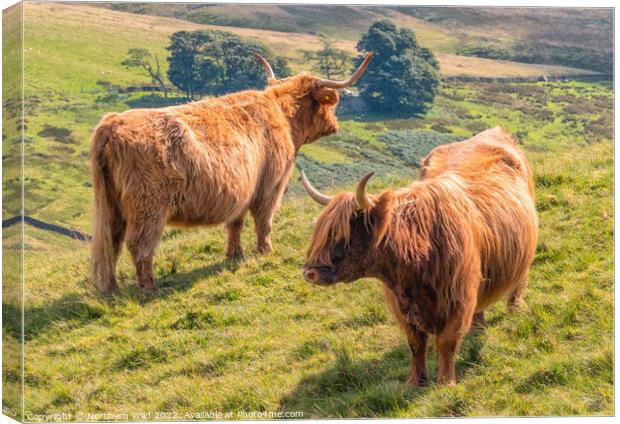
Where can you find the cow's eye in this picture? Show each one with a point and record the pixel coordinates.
(337, 252)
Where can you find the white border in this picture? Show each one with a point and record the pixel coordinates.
(488, 3)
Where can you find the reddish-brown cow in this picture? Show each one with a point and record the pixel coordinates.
(202, 163)
(445, 248)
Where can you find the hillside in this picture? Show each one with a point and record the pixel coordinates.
(152, 32)
(252, 335)
(443, 29)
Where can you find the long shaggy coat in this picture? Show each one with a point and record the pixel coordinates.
(203, 163)
(446, 247)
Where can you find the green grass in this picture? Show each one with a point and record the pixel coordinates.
(252, 335)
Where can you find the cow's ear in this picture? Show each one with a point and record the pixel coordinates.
(381, 215)
(326, 96)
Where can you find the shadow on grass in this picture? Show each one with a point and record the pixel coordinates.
(70, 308)
(185, 280)
(170, 284)
(76, 309)
(374, 387)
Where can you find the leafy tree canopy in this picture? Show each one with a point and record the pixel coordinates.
(217, 62)
(403, 77)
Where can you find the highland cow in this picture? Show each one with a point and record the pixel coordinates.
(445, 248)
(202, 163)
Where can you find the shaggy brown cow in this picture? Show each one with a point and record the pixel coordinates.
(445, 248)
(202, 163)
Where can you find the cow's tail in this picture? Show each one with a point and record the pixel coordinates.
(107, 222)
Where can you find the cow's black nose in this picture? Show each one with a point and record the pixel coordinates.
(311, 275)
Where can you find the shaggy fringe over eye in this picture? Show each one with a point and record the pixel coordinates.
(333, 225)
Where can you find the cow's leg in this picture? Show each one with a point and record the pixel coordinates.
(263, 218)
(515, 300)
(233, 244)
(142, 238)
(118, 235)
(262, 227)
(448, 341)
(263, 209)
(477, 322)
(417, 340)
(117, 229)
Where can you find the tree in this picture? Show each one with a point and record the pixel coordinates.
(403, 77)
(235, 66)
(331, 62)
(141, 58)
(187, 68)
(217, 62)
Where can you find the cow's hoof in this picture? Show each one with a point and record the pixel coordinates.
(108, 290)
(106, 287)
(149, 290)
(446, 382)
(234, 256)
(416, 381)
(264, 249)
(515, 305)
(234, 252)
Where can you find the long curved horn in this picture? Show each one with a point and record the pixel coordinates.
(270, 75)
(318, 197)
(360, 195)
(347, 83)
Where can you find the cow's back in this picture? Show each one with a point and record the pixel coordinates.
(499, 181)
(481, 150)
(203, 160)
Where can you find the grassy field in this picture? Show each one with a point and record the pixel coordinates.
(252, 335)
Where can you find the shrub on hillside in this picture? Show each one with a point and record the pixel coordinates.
(403, 150)
(486, 51)
(404, 124)
(411, 146)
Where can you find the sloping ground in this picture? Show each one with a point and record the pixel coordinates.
(563, 26)
(442, 29)
(251, 336)
(56, 24)
(338, 22)
(464, 66)
(570, 27)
